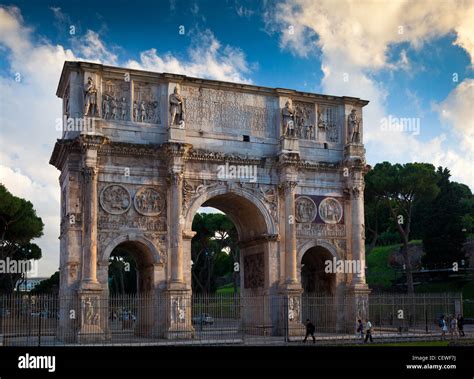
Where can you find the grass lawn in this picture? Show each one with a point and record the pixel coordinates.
(380, 273)
(401, 344)
(228, 289)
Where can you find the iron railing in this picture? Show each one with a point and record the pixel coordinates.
(30, 320)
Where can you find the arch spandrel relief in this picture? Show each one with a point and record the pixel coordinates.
(125, 208)
(328, 221)
(148, 201)
(306, 209)
(115, 199)
(330, 210)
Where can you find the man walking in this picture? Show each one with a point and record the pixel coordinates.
(368, 331)
(360, 329)
(310, 329)
(461, 325)
(444, 327)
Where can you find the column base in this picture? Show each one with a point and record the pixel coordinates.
(289, 144)
(176, 133)
(179, 303)
(93, 316)
(90, 286)
(357, 307)
(291, 288)
(292, 324)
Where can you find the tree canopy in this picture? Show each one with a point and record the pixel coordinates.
(19, 225)
(214, 251)
(415, 200)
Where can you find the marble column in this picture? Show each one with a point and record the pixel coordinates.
(89, 275)
(92, 311)
(357, 304)
(358, 231)
(176, 238)
(290, 233)
(90, 144)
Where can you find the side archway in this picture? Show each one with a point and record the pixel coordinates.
(145, 254)
(132, 239)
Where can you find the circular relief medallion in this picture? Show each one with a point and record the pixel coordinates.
(148, 201)
(305, 209)
(330, 210)
(115, 199)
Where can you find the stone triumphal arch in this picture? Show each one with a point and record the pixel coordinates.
(141, 152)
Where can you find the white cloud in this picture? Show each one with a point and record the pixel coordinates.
(91, 48)
(363, 32)
(457, 111)
(244, 11)
(207, 58)
(356, 42)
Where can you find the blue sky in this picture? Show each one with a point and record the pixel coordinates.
(128, 32)
(400, 55)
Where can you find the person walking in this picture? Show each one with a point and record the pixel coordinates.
(310, 329)
(461, 325)
(443, 326)
(453, 330)
(360, 329)
(368, 331)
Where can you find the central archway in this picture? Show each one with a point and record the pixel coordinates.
(258, 252)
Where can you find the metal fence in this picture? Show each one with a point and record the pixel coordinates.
(33, 320)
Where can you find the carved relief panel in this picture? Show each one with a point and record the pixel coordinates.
(330, 210)
(116, 211)
(254, 276)
(115, 199)
(148, 201)
(319, 216)
(115, 100)
(328, 124)
(146, 103)
(305, 120)
(306, 209)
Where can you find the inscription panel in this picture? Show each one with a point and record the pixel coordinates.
(222, 111)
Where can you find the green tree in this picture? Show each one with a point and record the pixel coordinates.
(122, 272)
(214, 233)
(50, 285)
(19, 224)
(400, 186)
(377, 218)
(443, 235)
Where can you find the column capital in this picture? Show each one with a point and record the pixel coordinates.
(177, 149)
(188, 234)
(289, 159)
(288, 185)
(92, 141)
(355, 190)
(175, 178)
(89, 173)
